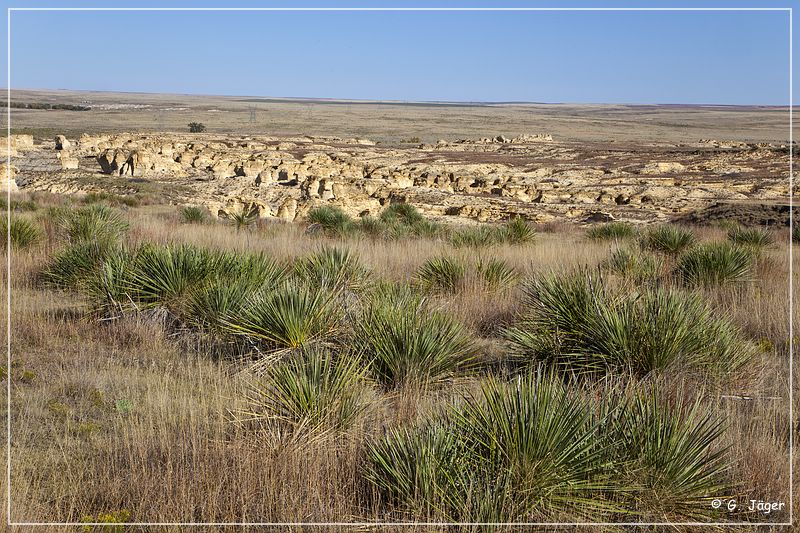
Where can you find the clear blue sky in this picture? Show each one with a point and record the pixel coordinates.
(626, 57)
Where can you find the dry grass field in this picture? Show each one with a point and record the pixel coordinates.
(392, 371)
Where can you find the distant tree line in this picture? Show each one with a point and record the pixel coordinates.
(37, 105)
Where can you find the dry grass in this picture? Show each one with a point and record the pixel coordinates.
(123, 415)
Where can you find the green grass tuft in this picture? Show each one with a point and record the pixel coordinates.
(193, 215)
(611, 231)
(668, 239)
(752, 237)
(22, 233)
(445, 274)
(715, 264)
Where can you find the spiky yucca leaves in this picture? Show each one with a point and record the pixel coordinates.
(611, 231)
(715, 264)
(22, 233)
(796, 232)
(331, 220)
(311, 394)
(166, 275)
(752, 237)
(96, 223)
(524, 451)
(193, 215)
(402, 213)
(634, 265)
(517, 231)
(668, 239)
(496, 274)
(474, 237)
(574, 322)
(243, 220)
(410, 344)
(289, 317)
(71, 266)
(668, 453)
(333, 267)
(445, 274)
(107, 286)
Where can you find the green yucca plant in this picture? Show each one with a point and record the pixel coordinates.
(334, 268)
(72, 266)
(752, 237)
(668, 239)
(715, 264)
(402, 213)
(474, 237)
(410, 344)
(331, 220)
(496, 274)
(372, 227)
(517, 231)
(796, 232)
(166, 275)
(95, 223)
(244, 219)
(634, 265)
(610, 231)
(576, 323)
(289, 317)
(311, 394)
(193, 215)
(208, 306)
(668, 453)
(107, 285)
(22, 233)
(446, 274)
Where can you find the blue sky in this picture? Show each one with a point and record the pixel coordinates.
(614, 57)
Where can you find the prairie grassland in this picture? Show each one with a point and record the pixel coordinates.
(141, 410)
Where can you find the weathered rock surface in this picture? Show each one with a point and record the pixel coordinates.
(487, 179)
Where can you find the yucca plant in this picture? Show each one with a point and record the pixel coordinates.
(372, 227)
(611, 231)
(496, 274)
(668, 239)
(752, 237)
(209, 305)
(576, 323)
(796, 232)
(108, 284)
(517, 231)
(331, 220)
(446, 274)
(410, 344)
(289, 317)
(22, 233)
(254, 270)
(333, 268)
(95, 223)
(668, 453)
(72, 266)
(402, 213)
(193, 215)
(311, 394)
(715, 264)
(477, 237)
(635, 265)
(243, 220)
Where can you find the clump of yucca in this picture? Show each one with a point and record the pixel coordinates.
(496, 274)
(516, 231)
(95, 223)
(193, 215)
(796, 232)
(400, 220)
(576, 323)
(311, 394)
(476, 237)
(715, 264)
(668, 239)
(445, 274)
(334, 268)
(243, 220)
(22, 233)
(72, 266)
(537, 449)
(752, 237)
(402, 213)
(330, 220)
(410, 344)
(634, 265)
(611, 231)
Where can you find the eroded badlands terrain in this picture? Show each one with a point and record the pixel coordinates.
(536, 176)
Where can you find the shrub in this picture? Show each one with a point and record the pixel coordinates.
(445, 274)
(634, 265)
(474, 237)
(517, 231)
(333, 268)
(496, 274)
(331, 220)
(193, 215)
(22, 233)
(310, 394)
(610, 231)
(409, 344)
(715, 264)
(574, 322)
(668, 239)
(197, 127)
(402, 213)
(288, 317)
(95, 223)
(753, 237)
